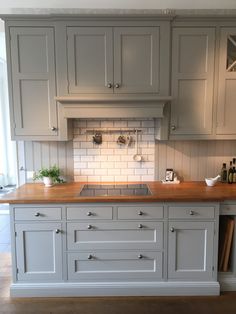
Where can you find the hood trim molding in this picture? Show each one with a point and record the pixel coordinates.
(124, 106)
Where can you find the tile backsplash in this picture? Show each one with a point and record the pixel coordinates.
(110, 161)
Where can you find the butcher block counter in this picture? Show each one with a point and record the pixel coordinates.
(69, 193)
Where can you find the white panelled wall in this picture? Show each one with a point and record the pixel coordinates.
(81, 160)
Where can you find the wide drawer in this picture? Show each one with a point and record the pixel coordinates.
(191, 212)
(140, 212)
(115, 235)
(37, 213)
(228, 209)
(105, 266)
(89, 212)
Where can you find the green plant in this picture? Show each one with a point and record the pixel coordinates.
(52, 172)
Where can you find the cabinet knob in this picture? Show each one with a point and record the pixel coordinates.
(90, 256)
(173, 127)
(53, 128)
(140, 213)
(37, 214)
(140, 256)
(109, 85)
(57, 231)
(140, 226)
(89, 227)
(172, 229)
(117, 85)
(191, 213)
(89, 214)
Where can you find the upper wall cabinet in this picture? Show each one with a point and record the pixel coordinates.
(113, 59)
(192, 81)
(33, 79)
(226, 109)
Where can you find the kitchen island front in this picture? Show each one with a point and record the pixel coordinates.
(165, 243)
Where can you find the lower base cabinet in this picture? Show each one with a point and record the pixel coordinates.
(95, 250)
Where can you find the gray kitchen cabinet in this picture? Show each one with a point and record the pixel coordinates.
(38, 251)
(113, 59)
(190, 254)
(193, 50)
(226, 111)
(32, 82)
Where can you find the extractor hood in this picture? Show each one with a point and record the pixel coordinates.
(108, 106)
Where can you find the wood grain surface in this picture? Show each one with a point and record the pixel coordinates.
(69, 193)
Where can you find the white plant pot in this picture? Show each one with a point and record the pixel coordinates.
(48, 181)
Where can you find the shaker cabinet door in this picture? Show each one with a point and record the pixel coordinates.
(136, 59)
(39, 252)
(192, 81)
(190, 255)
(33, 82)
(226, 110)
(90, 60)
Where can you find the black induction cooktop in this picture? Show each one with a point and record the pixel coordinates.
(115, 190)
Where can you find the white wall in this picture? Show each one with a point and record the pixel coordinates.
(121, 4)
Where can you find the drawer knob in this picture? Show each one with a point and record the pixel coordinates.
(173, 127)
(117, 85)
(191, 212)
(140, 226)
(37, 214)
(53, 128)
(89, 214)
(57, 231)
(140, 213)
(172, 229)
(109, 85)
(140, 256)
(90, 256)
(89, 227)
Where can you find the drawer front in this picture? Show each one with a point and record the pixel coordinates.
(191, 212)
(89, 212)
(118, 266)
(115, 235)
(228, 209)
(37, 213)
(140, 212)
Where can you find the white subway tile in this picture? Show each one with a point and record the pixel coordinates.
(82, 123)
(114, 158)
(147, 138)
(76, 145)
(148, 124)
(120, 124)
(86, 158)
(107, 165)
(93, 124)
(86, 172)
(147, 178)
(100, 172)
(107, 151)
(100, 158)
(121, 178)
(93, 151)
(134, 178)
(93, 165)
(112, 144)
(94, 178)
(86, 145)
(107, 178)
(147, 151)
(80, 165)
(134, 124)
(81, 178)
(141, 171)
(148, 164)
(79, 152)
(134, 164)
(126, 158)
(120, 151)
(80, 138)
(121, 164)
(151, 171)
(113, 171)
(127, 171)
(107, 123)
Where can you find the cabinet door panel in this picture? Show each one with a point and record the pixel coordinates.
(192, 81)
(90, 61)
(33, 81)
(191, 250)
(227, 83)
(136, 59)
(39, 252)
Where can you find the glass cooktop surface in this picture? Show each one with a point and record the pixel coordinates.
(115, 190)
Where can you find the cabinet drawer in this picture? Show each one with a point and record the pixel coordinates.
(89, 212)
(191, 212)
(140, 212)
(228, 209)
(118, 266)
(37, 213)
(115, 235)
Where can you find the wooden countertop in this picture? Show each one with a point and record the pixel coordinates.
(69, 193)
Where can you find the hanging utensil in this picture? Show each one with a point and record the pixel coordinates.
(137, 156)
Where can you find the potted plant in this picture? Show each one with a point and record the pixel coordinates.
(49, 175)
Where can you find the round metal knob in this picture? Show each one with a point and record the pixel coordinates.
(37, 214)
(140, 256)
(172, 229)
(117, 85)
(90, 256)
(57, 231)
(140, 213)
(89, 227)
(140, 226)
(109, 85)
(173, 127)
(89, 214)
(53, 128)
(191, 212)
